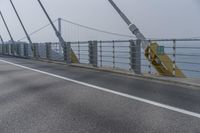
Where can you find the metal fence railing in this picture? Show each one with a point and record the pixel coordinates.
(119, 55)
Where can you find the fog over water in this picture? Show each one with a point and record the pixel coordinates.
(155, 18)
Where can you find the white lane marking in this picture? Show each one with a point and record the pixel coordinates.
(179, 110)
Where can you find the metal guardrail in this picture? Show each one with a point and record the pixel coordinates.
(118, 54)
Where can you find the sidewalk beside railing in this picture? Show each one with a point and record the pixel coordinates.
(115, 55)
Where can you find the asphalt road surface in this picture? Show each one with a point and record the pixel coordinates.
(41, 97)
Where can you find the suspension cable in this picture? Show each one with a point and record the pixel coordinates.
(97, 30)
(38, 30)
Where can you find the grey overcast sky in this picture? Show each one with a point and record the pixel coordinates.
(155, 18)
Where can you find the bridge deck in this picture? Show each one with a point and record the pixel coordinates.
(45, 97)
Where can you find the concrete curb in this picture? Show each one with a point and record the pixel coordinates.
(131, 73)
(150, 77)
(127, 73)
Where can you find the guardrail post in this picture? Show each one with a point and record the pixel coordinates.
(174, 58)
(25, 50)
(135, 56)
(9, 49)
(93, 57)
(12, 49)
(6, 48)
(35, 50)
(67, 52)
(3, 49)
(149, 56)
(79, 51)
(114, 56)
(101, 54)
(18, 49)
(21, 49)
(48, 50)
(90, 52)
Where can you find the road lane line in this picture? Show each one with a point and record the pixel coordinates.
(168, 107)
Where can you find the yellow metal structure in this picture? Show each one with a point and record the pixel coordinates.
(74, 59)
(162, 62)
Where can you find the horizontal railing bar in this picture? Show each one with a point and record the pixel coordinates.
(84, 54)
(84, 59)
(191, 70)
(182, 62)
(187, 47)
